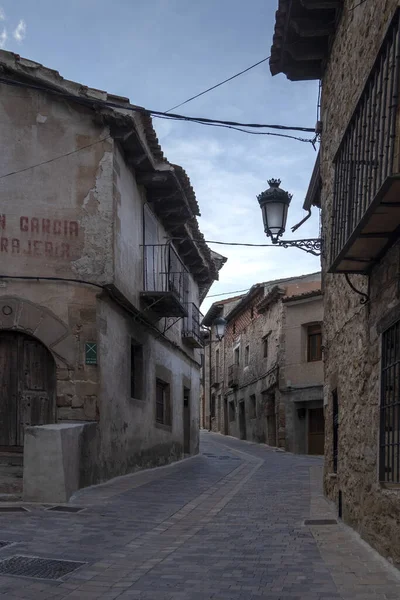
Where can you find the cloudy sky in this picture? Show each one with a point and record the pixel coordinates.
(161, 52)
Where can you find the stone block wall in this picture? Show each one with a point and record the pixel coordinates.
(352, 340)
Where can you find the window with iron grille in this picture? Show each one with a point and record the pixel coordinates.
(314, 343)
(365, 157)
(163, 403)
(390, 406)
(335, 410)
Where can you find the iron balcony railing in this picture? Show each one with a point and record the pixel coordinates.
(191, 324)
(366, 154)
(164, 272)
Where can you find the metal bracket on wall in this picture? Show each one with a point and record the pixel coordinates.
(365, 297)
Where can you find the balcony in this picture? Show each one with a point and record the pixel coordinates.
(191, 326)
(233, 376)
(366, 207)
(166, 281)
(215, 376)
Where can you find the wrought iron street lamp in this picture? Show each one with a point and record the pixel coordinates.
(274, 204)
(220, 326)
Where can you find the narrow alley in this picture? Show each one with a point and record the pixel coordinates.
(227, 524)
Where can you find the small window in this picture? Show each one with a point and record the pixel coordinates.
(163, 403)
(389, 451)
(314, 343)
(237, 356)
(232, 410)
(234, 328)
(252, 312)
(136, 370)
(265, 347)
(246, 356)
(252, 407)
(212, 408)
(217, 363)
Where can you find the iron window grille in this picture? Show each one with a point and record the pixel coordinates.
(390, 406)
(366, 154)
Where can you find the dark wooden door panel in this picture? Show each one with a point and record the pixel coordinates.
(8, 389)
(35, 365)
(27, 386)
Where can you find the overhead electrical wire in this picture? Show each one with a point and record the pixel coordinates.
(228, 293)
(219, 84)
(282, 135)
(203, 120)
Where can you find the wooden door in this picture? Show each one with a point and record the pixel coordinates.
(316, 431)
(27, 387)
(8, 389)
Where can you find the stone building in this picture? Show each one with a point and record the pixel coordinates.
(353, 48)
(266, 373)
(99, 321)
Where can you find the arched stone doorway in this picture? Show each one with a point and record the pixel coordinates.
(27, 387)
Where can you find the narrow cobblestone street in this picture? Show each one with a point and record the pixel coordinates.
(228, 524)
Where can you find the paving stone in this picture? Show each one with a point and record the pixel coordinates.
(228, 524)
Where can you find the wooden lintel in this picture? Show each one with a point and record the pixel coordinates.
(311, 28)
(135, 160)
(149, 178)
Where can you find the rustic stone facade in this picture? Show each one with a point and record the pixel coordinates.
(352, 340)
(353, 331)
(263, 372)
(82, 243)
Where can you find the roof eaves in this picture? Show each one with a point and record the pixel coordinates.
(254, 290)
(133, 130)
(303, 296)
(313, 196)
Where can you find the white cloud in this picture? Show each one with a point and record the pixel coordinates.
(2, 15)
(20, 31)
(3, 38)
